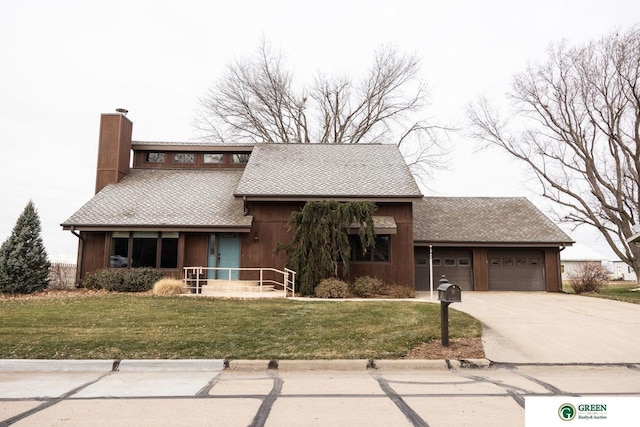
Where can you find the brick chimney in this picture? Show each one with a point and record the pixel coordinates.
(114, 148)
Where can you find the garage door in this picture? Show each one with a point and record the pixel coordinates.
(455, 264)
(516, 270)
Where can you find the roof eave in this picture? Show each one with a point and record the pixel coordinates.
(340, 198)
(544, 244)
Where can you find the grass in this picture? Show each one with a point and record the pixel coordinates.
(120, 326)
(619, 291)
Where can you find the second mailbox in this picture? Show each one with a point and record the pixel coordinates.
(448, 292)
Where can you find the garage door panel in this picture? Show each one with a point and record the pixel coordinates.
(455, 264)
(516, 270)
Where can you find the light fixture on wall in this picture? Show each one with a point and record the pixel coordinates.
(255, 237)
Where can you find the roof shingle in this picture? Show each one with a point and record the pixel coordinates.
(500, 220)
(328, 171)
(166, 198)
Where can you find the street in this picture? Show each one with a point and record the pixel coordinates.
(437, 396)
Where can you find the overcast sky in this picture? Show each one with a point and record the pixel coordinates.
(63, 63)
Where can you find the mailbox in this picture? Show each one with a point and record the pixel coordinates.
(448, 292)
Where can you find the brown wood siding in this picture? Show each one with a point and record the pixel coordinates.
(552, 268)
(196, 247)
(94, 252)
(480, 271)
(113, 149)
(270, 227)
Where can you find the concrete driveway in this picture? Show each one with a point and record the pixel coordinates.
(542, 327)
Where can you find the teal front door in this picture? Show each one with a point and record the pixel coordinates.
(228, 255)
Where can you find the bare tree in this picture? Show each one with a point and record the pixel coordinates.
(257, 101)
(577, 126)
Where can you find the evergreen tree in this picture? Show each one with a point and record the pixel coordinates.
(24, 267)
(321, 240)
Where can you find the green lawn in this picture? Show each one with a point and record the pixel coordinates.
(122, 326)
(620, 291)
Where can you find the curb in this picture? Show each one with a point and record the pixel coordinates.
(203, 365)
(355, 364)
(147, 365)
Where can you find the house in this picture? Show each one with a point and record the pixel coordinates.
(574, 257)
(224, 205)
(176, 205)
(623, 271)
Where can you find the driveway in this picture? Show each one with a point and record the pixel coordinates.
(543, 327)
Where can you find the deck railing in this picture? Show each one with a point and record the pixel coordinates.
(197, 277)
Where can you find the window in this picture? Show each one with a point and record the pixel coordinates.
(464, 262)
(169, 250)
(533, 261)
(144, 249)
(379, 253)
(421, 261)
(436, 261)
(119, 250)
(495, 262)
(521, 262)
(184, 158)
(155, 157)
(213, 157)
(449, 262)
(507, 262)
(240, 158)
(561, 268)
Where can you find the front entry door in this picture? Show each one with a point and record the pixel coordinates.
(228, 255)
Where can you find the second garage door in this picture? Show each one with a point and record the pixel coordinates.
(516, 270)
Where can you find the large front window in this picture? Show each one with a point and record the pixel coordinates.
(144, 249)
(379, 253)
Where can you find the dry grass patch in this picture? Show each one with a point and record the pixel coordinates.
(168, 287)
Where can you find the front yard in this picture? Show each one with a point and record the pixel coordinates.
(619, 291)
(81, 325)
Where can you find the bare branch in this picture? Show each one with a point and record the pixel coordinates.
(580, 117)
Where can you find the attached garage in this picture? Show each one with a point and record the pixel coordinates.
(487, 243)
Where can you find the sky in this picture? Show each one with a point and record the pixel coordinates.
(64, 63)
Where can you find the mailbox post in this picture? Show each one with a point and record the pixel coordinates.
(447, 293)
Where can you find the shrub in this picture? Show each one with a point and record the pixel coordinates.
(332, 288)
(168, 287)
(122, 279)
(399, 291)
(366, 287)
(589, 277)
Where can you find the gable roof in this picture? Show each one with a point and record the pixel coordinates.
(579, 252)
(319, 171)
(484, 221)
(166, 199)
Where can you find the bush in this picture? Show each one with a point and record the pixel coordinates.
(122, 279)
(168, 287)
(399, 291)
(332, 288)
(589, 277)
(366, 287)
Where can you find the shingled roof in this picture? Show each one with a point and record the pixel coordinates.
(166, 198)
(484, 220)
(337, 171)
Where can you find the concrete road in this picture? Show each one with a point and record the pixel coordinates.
(387, 396)
(543, 327)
